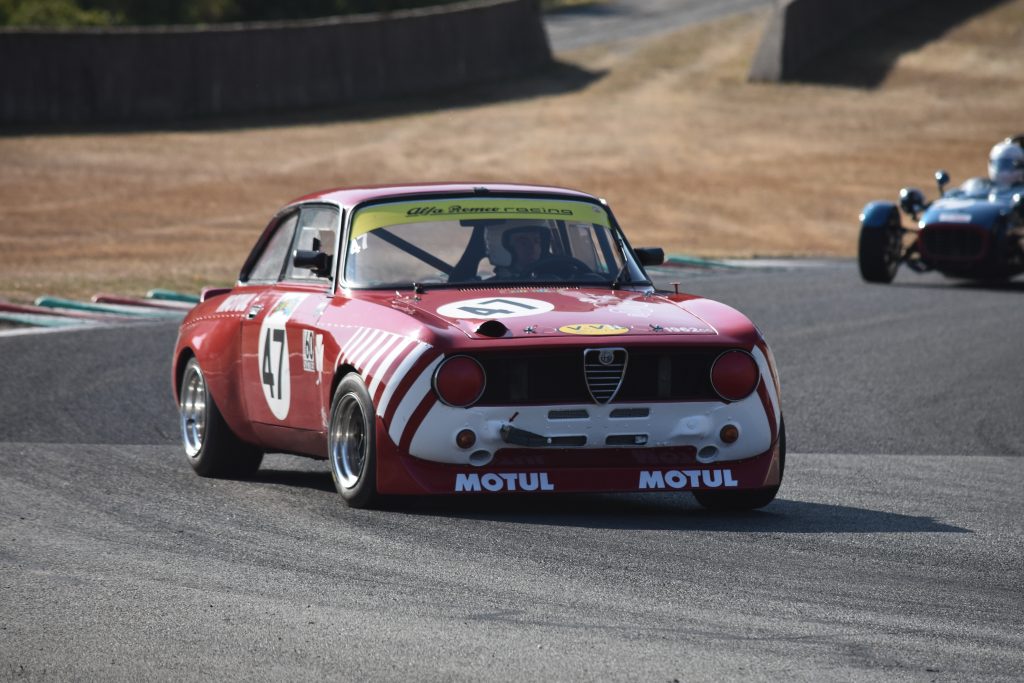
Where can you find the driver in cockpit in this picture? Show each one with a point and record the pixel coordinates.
(527, 245)
(1006, 162)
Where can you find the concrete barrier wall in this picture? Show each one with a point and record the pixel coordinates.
(161, 74)
(799, 30)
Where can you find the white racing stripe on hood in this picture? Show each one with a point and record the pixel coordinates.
(769, 383)
(367, 348)
(381, 350)
(354, 344)
(385, 365)
(411, 400)
(399, 375)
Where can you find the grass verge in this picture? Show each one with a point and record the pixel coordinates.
(690, 155)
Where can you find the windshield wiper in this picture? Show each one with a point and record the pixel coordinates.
(617, 282)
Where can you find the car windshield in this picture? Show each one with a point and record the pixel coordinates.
(490, 240)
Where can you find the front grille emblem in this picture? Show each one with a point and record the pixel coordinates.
(604, 370)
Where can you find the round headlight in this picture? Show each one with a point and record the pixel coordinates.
(459, 381)
(734, 375)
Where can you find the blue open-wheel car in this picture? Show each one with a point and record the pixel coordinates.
(974, 231)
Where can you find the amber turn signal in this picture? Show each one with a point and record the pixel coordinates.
(729, 434)
(465, 439)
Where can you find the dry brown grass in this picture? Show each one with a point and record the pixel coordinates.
(690, 155)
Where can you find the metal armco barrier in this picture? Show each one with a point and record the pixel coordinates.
(170, 73)
(799, 30)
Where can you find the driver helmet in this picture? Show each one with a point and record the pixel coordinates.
(1006, 163)
(538, 235)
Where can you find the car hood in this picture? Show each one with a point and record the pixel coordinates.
(547, 312)
(980, 212)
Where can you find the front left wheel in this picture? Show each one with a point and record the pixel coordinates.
(745, 500)
(352, 443)
(212, 448)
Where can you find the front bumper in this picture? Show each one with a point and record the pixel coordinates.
(695, 426)
(577, 471)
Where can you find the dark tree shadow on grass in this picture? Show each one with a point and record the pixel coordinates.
(558, 78)
(867, 56)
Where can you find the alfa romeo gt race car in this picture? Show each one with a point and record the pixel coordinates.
(975, 231)
(475, 339)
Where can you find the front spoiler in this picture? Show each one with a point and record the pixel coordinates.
(575, 471)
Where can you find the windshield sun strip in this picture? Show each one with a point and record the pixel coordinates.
(618, 239)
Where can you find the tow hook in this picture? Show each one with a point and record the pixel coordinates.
(521, 437)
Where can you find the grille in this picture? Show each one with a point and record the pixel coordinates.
(553, 376)
(631, 412)
(957, 243)
(568, 415)
(604, 369)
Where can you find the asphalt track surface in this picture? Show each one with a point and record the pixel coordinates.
(616, 20)
(894, 551)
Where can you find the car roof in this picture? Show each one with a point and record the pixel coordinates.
(351, 196)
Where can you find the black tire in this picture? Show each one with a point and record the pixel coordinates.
(878, 253)
(352, 443)
(211, 447)
(745, 500)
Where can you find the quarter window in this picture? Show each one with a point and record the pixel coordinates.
(270, 264)
(317, 232)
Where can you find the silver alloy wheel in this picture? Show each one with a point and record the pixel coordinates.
(348, 442)
(193, 410)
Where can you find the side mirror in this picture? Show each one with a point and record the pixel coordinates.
(941, 179)
(911, 201)
(316, 261)
(650, 256)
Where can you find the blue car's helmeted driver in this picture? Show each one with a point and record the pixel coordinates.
(1006, 163)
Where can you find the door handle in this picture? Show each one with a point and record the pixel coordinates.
(254, 311)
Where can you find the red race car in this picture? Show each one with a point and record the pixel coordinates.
(475, 339)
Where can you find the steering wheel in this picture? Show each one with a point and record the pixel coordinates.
(560, 266)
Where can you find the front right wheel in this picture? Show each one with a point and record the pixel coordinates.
(878, 253)
(352, 443)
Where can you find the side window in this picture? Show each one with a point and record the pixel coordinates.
(317, 225)
(268, 266)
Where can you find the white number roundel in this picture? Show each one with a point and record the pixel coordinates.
(275, 375)
(494, 307)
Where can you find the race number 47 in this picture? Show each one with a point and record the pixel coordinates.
(497, 307)
(272, 380)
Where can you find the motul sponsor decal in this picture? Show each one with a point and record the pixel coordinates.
(503, 481)
(236, 303)
(687, 479)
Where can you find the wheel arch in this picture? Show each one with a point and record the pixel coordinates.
(879, 215)
(184, 356)
(339, 374)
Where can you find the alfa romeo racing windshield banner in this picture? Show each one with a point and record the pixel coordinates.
(373, 217)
